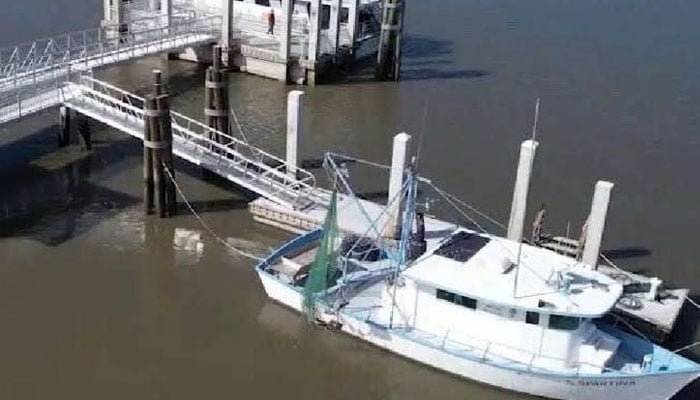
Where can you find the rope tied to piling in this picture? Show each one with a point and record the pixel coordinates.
(205, 225)
(686, 298)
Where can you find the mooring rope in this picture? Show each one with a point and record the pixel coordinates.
(205, 225)
(686, 298)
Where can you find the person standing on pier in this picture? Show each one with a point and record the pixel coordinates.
(271, 22)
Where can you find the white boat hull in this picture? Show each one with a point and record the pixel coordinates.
(639, 387)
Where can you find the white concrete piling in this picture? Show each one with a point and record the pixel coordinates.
(227, 29)
(166, 10)
(522, 185)
(295, 108)
(285, 38)
(314, 30)
(334, 24)
(399, 161)
(596, 223)
(353, 19)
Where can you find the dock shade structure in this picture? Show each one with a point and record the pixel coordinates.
(596, 223)
(520, 192)
(399, 161)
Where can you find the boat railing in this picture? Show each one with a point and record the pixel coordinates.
(487, 353)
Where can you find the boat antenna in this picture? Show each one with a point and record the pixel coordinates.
(532, 162)
(421, 140)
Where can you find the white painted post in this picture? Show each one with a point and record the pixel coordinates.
(334, 24)
(295, 108)
(286, 37)
(166, 10)
(227, 26)
(314, 30)
(152, 5)
(520, 191)
(353, 20)
(596, 223)
(399, 161)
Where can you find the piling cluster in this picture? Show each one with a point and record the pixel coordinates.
(216, 102)
(158, 171)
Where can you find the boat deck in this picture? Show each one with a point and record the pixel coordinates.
(655, 317)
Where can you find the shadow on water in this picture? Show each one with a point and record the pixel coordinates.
(49, 195)
(424, 58)
(685, 333)
(627, 252)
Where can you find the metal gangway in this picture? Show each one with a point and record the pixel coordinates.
(31, 73)
(193, 141)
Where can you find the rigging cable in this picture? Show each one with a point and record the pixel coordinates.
(686, 298)
(204, 224)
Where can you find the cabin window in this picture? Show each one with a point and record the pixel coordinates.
(456, 299)
(532, 317)
(563, 323)
(445, 295)
(466, 302)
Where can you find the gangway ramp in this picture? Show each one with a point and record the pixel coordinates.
(31, 75)
(236, 161)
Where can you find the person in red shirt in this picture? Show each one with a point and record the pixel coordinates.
(271, 22)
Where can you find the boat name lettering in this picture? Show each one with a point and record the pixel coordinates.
(595, 382)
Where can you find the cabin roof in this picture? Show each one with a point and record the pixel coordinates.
(484, 267)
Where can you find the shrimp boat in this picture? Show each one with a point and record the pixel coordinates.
(479, 306)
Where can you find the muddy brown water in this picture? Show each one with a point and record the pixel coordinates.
(97, 301)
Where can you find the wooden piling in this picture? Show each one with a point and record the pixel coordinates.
(156, 138)
(216, 103)
(389, 52)
(147, 163)
(165, 128)
(64, 127)
(84, 132)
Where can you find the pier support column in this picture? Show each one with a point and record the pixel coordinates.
(522, 184)
(158, 171)
(286, 37)
(596, 223)
(334, 24)
(166, 10)
(295, 109)
(84, 132)
(389, 53)
(227, 32)
(112, 21)
(314, 39)
(353, 20)
(399, 161)
(64, 115)
(216, 101)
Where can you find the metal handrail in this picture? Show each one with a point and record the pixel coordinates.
(96, 43)
(257, 165)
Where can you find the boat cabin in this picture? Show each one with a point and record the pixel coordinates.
(519, 302)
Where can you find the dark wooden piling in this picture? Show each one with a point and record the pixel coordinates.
(158, 155)
(148, 185)
(156, 139)
(389, 52)
(84, 132)
(64, 127)
(166, 136)
(216, 103)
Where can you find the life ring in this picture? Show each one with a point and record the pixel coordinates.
(630, 303)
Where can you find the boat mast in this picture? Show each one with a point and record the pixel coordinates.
(406, 226)
(532, 162)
